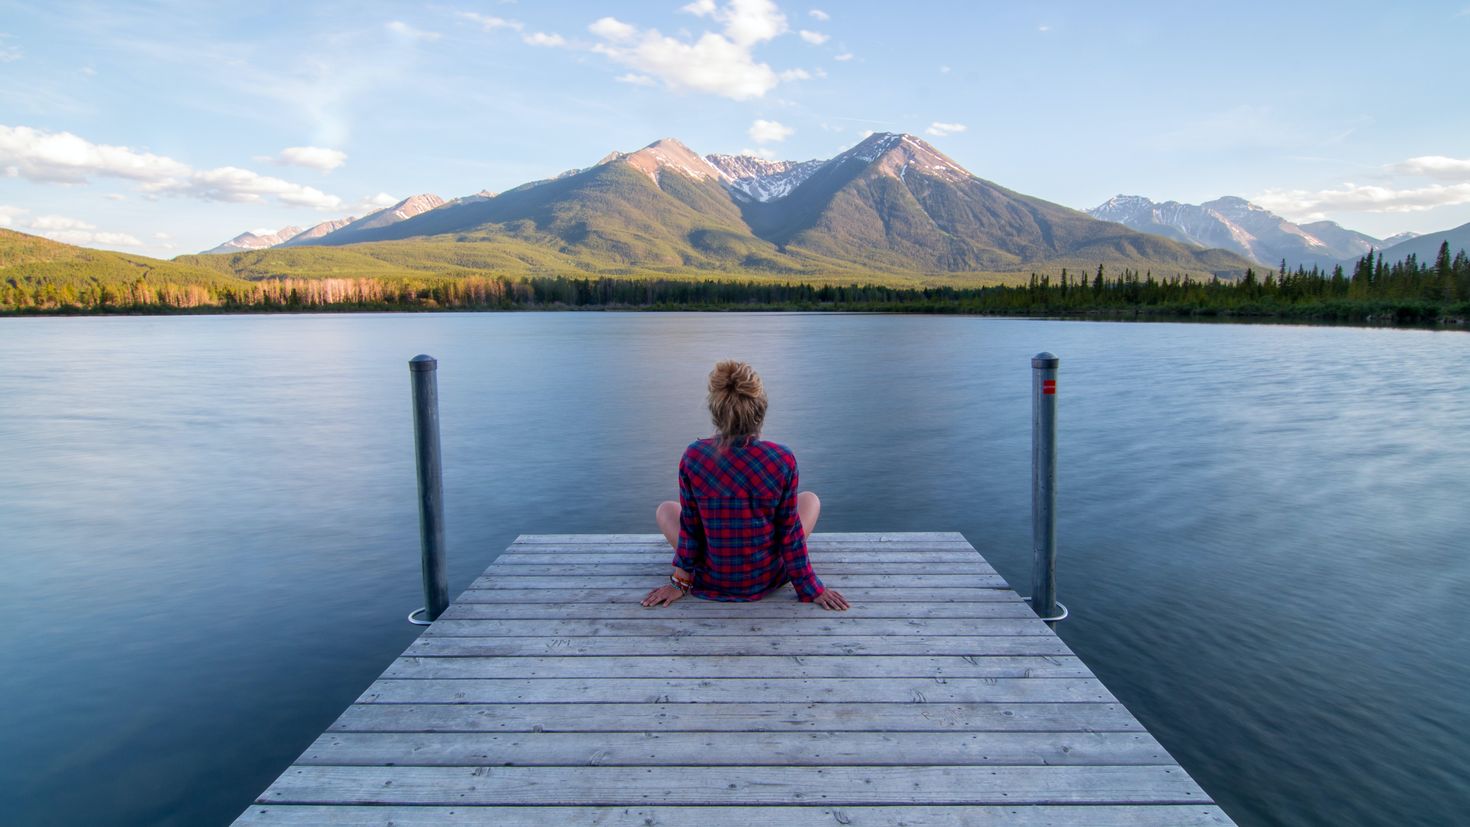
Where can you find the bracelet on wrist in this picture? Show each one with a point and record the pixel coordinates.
(684, 585)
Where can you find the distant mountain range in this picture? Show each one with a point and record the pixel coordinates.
(1243, 228)
(1426, 247)
(893, 204)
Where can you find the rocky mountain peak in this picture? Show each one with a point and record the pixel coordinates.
(664, 154)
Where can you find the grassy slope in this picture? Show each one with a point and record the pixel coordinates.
(29, 259)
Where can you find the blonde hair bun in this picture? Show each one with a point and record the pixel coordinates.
(737, 399)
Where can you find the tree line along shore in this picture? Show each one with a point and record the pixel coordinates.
(1407, 291)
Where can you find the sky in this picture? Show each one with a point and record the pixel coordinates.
(166, 128)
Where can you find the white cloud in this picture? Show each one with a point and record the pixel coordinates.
(796, 74)
(611, 28)
(66, 229)
(636, 80)
(402, 29)
(1309, 205)
(814, 38)
(490, 23)
(373, 203)
(769, 132)
(714, 63)
(763, 152)
(115, 196)
(312, 157)
(1435, 166)
(940, 130)
(944, 70)
(1044, 27)
(845, 56)
(61, 157)
(10, 54)
(818, 14)
(162, 236)
(241, 186)
(544, 39)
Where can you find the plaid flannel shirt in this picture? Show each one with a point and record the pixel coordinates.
(739, 532)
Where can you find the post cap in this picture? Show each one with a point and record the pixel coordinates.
(1044, 360)
(423, 361)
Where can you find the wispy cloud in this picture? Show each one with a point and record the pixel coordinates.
(1435, 166)
(311, 157)
(769, 132)
(544, 39)
(940, 129)
(402, 29)
(818, 14)
(845, 56)
(64, 158)
(9, 52)
(1392, 195)
(814, 38)
(1315, 205)
(65, 229)
(490, 22)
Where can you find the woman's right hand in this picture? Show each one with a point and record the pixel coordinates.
(832, 600)
(662, 596)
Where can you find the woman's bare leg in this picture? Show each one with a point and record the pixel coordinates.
(667, 517)
(809, 506)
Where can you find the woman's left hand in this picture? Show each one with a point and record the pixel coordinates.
(662, 596)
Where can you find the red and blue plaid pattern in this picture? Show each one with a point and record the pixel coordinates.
(739, 532)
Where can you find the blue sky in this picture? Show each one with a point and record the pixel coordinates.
(168, 127)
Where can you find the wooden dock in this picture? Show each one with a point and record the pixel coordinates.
(546, 695)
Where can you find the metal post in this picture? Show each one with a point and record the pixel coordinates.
(423, 371)
(1044, 485)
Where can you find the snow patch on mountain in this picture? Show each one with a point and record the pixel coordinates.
(759, 179)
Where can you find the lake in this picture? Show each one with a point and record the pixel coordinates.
(208, 534)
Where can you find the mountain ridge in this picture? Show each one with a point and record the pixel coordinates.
(1235, 224)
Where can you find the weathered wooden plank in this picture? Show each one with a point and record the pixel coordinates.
(823, 623)
(800, 645)
(823, 536)
(738, 690)
(714, 610)
(738, 717)
(575, 592)
(891, 552)
(1041, 815)
(732, 612)
(500, 579)
(776, 749)
(661, 569)
(634, 786)
(663, 666)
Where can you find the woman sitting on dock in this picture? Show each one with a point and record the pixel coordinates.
(739, 529)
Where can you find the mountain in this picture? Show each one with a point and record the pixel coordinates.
(1425, 247)
(761, 180)
(893, 203)
(311, 234)
(1398, 238)
(362, 228)
(1234, 224)
(256, 241)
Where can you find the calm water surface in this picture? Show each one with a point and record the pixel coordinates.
(208, 536)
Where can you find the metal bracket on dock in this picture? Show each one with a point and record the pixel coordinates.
(429, 623)
(1059, 618)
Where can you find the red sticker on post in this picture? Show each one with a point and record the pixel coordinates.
(1049, 387)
